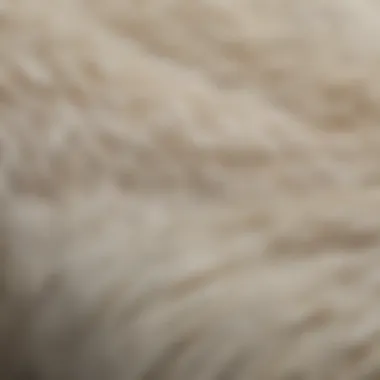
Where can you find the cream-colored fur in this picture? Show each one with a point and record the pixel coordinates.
(189, 189)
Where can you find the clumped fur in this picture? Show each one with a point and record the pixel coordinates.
(189, 190)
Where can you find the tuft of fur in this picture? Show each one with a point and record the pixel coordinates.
(189, 189)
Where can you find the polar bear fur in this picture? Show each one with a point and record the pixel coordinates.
(189, 190)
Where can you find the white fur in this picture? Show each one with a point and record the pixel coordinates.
(189, 189)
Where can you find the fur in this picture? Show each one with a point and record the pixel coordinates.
(189, 190)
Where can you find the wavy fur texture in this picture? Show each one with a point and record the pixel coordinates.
(189, 190)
